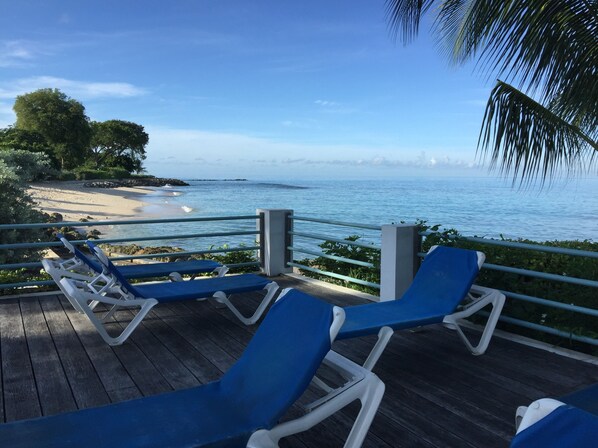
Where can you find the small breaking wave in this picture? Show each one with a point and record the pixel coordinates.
(187, 209)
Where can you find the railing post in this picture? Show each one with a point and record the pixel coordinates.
(274, 239)
(398, 259)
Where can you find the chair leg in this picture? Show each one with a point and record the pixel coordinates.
(363, 386)
(131, 326)
(384, 336)
(488, 297)
(222, 298)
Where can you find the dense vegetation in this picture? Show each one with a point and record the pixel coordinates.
(572, 266)
(51, 123)
(16, 168)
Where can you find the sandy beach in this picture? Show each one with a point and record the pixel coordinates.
(74, 201)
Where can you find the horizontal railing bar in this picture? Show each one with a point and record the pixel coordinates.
(197, 252)
(51, 282)
(128, 240)
(13, 266)
(316, 236)
(542, 275)
(241, 265)
(337, 223)
(334, 275)
(331, 257)
(24, 284)
(551, 303)
(136, 257)
(536, 274)
(517, 245)
(549, 330)
(123, 222)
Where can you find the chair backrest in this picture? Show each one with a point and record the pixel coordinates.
(281, 359)
(92, 264)
(444, 279)
(112, 269)
(566, 426)
(586, 399)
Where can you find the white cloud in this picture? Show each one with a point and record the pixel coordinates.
(81, 90)
(325, 103)
(15, 53)
(190, 151)
(332, 107)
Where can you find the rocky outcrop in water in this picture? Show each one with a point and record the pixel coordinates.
(143, 182)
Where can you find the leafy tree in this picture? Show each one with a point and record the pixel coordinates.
(118, 143)
(21, 139)
(17, 208)
(549, 120)
(27, 166)
(59, 119)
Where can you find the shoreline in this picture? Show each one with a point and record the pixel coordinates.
(75, 202)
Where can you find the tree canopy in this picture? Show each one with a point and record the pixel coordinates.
(59, 119)
(49, 121)
(548, 122)
(21, 139)
(118, 143)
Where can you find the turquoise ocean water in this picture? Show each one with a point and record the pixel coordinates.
(487, 207)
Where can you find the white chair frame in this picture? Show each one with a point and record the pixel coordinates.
(361, 384)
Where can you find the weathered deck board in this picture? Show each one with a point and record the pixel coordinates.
(437, 394)
(18, 383)
(54, 391)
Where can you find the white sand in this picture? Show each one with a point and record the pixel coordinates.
(74, 201)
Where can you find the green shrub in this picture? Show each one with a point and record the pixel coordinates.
(237, 257)
(17, 208)
(572, 266)
(89, 173)
(28, 166)
(339, 267)
(22, 275)
(566, 265)
(66, 175)
(86, 173)
(118, 173)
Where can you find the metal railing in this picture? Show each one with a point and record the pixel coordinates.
(550, 303)
(310, 236)
(40, 245)
(304, 237)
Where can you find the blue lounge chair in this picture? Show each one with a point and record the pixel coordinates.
(242, 409)
(174, 269)
(441, 292)
(571, 421)
(112, 289)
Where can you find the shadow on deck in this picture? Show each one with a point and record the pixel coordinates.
(437, 394)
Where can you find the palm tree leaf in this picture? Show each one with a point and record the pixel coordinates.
(404, 17)
(528, 141)
(544, 45)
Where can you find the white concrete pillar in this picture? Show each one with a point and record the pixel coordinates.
(398, 259)
(274, 255)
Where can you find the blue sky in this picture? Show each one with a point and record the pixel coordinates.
(257, 89)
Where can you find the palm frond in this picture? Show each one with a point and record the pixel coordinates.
(404, 17)
(528, 141)
(551, 46)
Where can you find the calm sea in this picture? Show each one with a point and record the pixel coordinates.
(487, 207)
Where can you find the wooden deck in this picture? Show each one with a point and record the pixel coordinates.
(437, 394)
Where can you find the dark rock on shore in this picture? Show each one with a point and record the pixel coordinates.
(143, 182)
